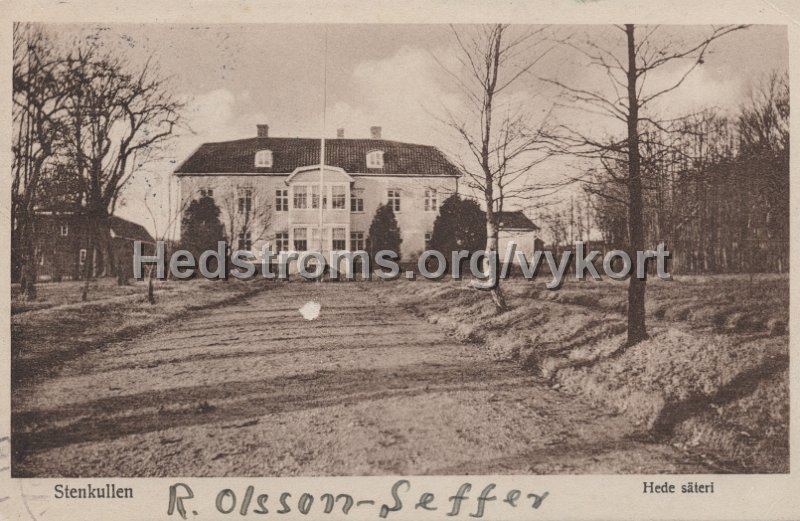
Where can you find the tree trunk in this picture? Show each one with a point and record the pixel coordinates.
(88, 266)
(636, 287)
(28, 271)
(492, 235)
(151, 295)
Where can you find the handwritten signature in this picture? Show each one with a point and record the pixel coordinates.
(181, 497)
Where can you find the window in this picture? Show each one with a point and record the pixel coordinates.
(301, 197)
(315, 198)
(245, 201)
(82, 257)
(357, 241)
(206, 192)
(338, 198)
(339, 239)
(431, 202)
(245, 242)
(356, 202)
(281, 242)
(282, 200)
(300, 239)
(375, 159)
(64, 230)
(264, 158)
(41, 260)
(428, 236)
(393, 197)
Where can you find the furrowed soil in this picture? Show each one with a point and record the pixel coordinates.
(712, 379)
(371, 386)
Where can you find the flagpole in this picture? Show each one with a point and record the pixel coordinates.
(322, 142)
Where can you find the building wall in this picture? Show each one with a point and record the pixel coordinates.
(525, 240)
(412, 218)
(60, 255)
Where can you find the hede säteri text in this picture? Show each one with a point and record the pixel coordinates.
(467, 500)
(485, 266)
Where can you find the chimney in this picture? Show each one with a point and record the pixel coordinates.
(339, 133)
(375, 132)
(263, 130)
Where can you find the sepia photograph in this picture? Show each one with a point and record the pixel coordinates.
(317, 249)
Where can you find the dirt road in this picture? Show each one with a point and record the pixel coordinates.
(254, 388)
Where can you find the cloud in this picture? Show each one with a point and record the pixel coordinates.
(401, 93)
(210, 115)
(700, 90)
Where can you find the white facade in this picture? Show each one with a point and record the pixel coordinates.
(289, 214)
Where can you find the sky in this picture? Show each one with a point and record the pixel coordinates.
(303, 80)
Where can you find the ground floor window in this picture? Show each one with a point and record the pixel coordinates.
(245, 241)
(339, 239)
(281, 242)
(82, 257)
(428, 236)
(300, 239)
(357, 241)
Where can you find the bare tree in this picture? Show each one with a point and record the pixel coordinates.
(504, 141)
(247, 215)
(163, 232)
(37, 112)
(118, 122)
(627, 69)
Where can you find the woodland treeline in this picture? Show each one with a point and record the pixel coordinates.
(715, 189)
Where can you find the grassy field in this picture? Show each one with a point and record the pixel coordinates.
(712, 378)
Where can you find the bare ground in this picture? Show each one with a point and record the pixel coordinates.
(253, 388)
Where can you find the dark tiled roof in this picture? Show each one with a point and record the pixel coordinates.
(125, 229)
(238, 156)
(516, 221)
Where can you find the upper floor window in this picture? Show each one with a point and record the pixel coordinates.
(245, 203)
(338, 194)
(300, 197)
(64, 230)
(206, 192)
(282, 200)
(393, 199)
(375, 159)
(315, 197)
(431, 200)
(82, 257)
(356, 201)
(264, 158)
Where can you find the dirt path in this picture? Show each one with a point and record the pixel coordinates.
(253, 388)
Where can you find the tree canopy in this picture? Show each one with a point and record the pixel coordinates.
(384, 232)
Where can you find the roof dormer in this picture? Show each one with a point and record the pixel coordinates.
(375, 159)
(264, 159)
